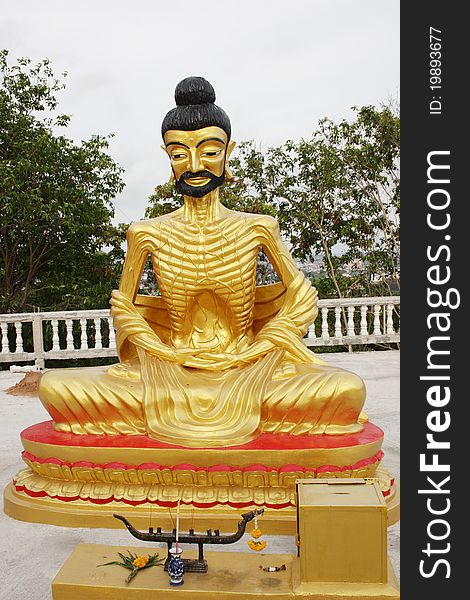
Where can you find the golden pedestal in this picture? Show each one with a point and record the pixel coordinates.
(342, 538)
(80, 481)
(232, 575)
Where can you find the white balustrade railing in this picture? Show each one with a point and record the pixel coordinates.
(56, 335)
(350, 321)
(89, 333)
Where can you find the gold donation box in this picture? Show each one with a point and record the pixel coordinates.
(342, 530)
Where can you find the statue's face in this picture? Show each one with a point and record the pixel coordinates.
(197, 159)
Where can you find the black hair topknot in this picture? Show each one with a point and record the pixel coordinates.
(195, 108)
(194, 90)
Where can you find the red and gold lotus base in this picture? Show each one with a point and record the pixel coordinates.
(80, 481)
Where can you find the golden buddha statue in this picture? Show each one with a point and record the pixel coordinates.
(216, 402)
(214, 360)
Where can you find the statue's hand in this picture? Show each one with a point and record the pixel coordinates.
(216, 361)
(177, 355)
(227, 360)
(182, 355)
(257, 350)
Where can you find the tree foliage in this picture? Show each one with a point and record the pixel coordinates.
(340, 198)
(58, 247)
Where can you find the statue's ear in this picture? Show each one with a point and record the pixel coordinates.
(230, 146)
(228, 173)
(172, 175)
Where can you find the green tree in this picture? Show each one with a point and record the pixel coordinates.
(58, 247)
(338, 196)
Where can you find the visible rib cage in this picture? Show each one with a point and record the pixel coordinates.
(207, 279)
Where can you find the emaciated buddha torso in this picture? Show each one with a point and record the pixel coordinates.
(207, 277)
(210, 291)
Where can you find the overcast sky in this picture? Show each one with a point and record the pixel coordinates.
(276, 66)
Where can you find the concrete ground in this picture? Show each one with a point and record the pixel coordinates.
(31, 554)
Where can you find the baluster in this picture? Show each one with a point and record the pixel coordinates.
(324, 323)
(69, 334)
(104, 332)
(364, 320)
(97, 323)
(5, 344)
(377, 330)
(390, 330)
(311, 331)
(338, 330)
(38, 341)
(112, 335)
(55, 334)
(83, 335)
(19, 336)
(351, 332)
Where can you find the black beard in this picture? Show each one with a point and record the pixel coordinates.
(198, 192)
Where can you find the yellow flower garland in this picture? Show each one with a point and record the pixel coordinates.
(256, 544)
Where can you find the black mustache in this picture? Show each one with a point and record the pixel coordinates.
(189, 175)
